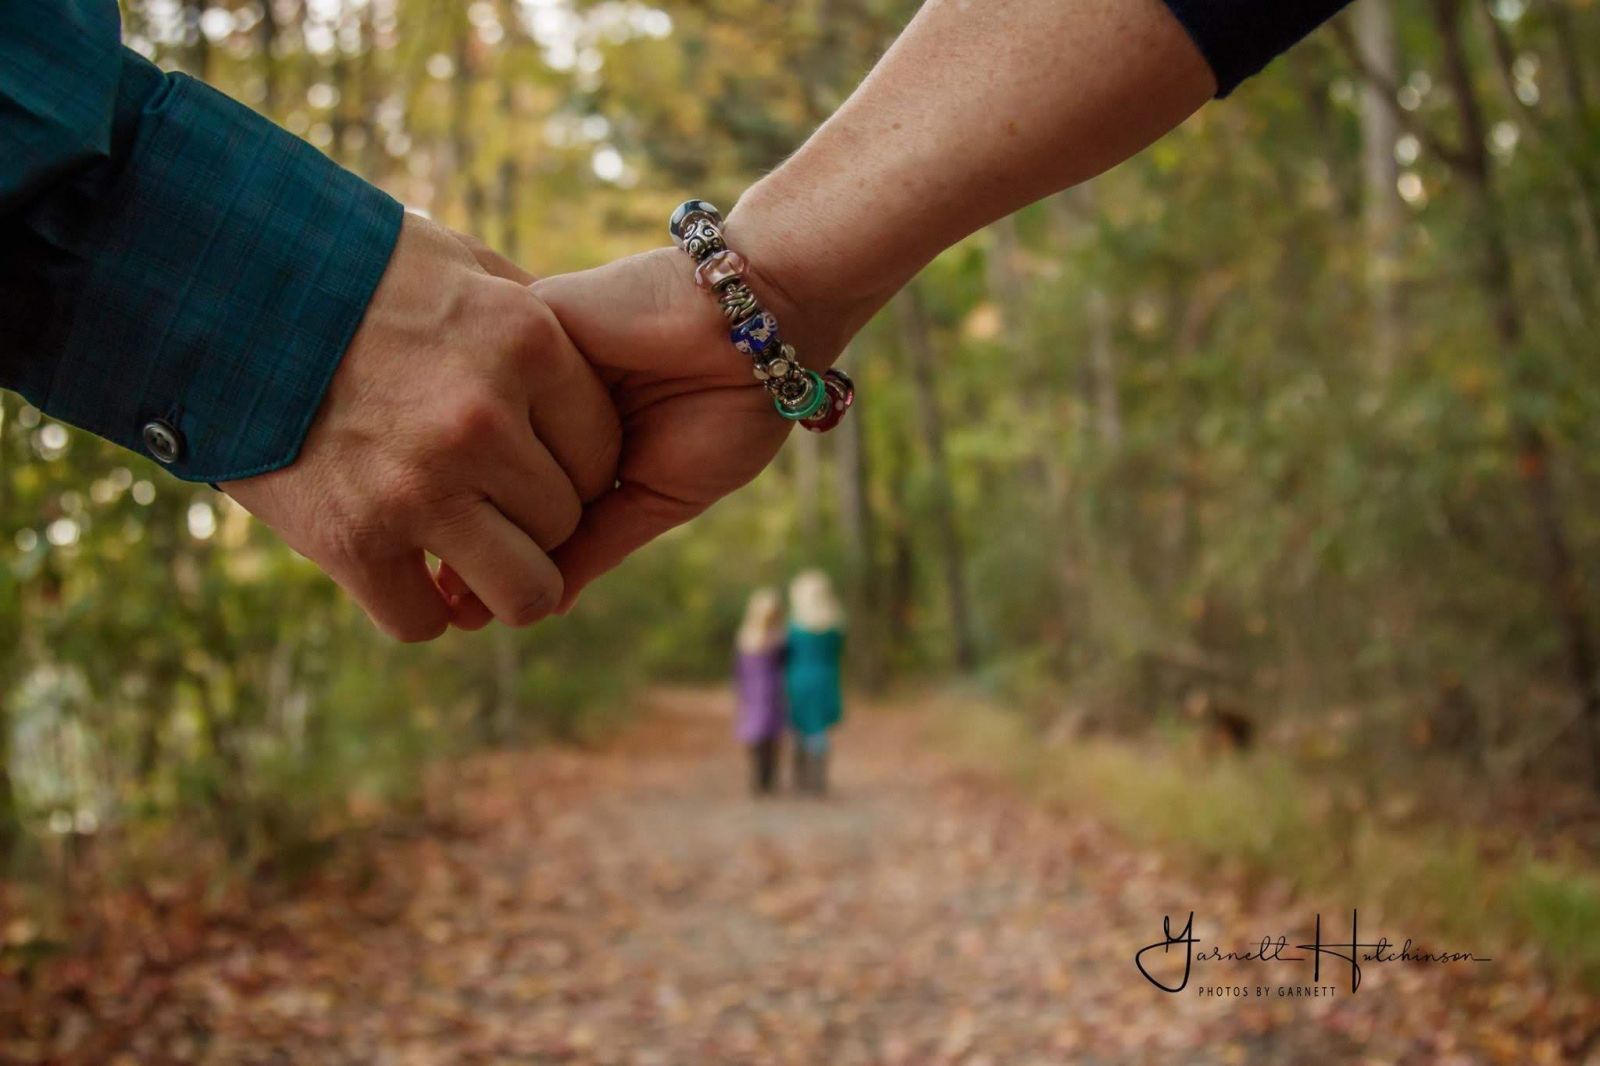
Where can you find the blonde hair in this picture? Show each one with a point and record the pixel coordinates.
(762, 628)
(812, 603)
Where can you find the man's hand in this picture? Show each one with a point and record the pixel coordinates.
(695, 425)
(461, 422)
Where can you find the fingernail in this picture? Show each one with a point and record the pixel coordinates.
(531, 613)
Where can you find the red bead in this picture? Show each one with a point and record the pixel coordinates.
(841, 394)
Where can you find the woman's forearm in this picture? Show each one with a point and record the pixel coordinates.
(980, 108)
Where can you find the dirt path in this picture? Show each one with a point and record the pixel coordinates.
(635, 907)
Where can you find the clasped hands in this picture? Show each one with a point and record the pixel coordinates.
(529, 433)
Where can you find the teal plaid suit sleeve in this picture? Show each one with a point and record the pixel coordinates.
(168, 256)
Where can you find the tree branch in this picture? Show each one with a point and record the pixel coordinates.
(1389, 91)
(1582, 175)
(1500, 45)
(1571, 66)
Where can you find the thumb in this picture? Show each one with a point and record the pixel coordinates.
(612, 528)
(643, 313)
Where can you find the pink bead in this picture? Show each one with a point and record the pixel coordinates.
(720, 267)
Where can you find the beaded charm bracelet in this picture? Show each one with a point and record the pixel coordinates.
(816, 401)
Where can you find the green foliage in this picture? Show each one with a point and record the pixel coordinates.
(1563, 909)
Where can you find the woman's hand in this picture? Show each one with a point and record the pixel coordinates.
(976, 111)
(695, 424)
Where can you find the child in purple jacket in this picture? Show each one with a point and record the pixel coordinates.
(758, 681)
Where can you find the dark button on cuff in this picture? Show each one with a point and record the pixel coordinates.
(163, 441)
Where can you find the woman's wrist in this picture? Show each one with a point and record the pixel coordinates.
(975, 112)
(794, 271)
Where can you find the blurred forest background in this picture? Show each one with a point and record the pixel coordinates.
(1285, 433)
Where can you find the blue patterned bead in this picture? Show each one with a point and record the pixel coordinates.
(756, 333)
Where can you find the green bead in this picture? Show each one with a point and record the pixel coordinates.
(813, 403)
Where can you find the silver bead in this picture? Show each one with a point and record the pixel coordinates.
(799, 392)
(688, 213)
(783, 365)
(795, 389)
(701, 237)
(738, 302)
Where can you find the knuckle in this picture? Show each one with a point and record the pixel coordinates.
(393, 496)
(471, 243)
(350, 544)
(565, 522)
(533, 328)
(452, 517)
(458, 307)
(471, 417)
(598, 473)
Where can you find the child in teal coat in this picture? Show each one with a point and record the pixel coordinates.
(811, 675)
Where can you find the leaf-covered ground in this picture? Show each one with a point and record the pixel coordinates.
(634, 906)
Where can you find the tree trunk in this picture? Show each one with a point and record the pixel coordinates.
(1573, 81)
(505, 684)
(1004, 275)
(1382, 210)
(1497, 276)
(857, 528)
(197, 49)
(1009, 287)
(227, 788)
(267, 40)
(1566, 140)
(510, 176)
(1314, 81)
(917, 344)
(9, 825)
(806, 455)
(1068, 210)
(463, 148)
(11, 623)
(1103, 370)
(901, 579)
(370, 83)
(1572, 73)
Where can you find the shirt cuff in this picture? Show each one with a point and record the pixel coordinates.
(1240, 37)
(231, 265)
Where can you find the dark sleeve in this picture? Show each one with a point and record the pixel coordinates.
(1239, 37)
(177, 274)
